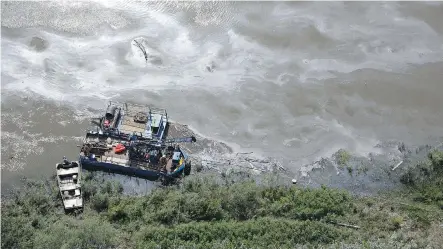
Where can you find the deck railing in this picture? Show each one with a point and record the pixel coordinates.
(130, 108)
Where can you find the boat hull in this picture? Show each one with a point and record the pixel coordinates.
(151, 175)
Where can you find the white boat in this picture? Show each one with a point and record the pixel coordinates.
(68, 179)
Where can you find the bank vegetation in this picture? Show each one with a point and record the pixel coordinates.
(220, 213)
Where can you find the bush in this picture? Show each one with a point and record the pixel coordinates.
(426, 179)
(202, 208)
(342, 157)
(260, 233)
(100, 202)
(396, 222)
(241, 201)
(71, 233)
(436, 158)
(312, 204)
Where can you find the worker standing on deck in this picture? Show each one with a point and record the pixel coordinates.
(132, 138)
(163, 162)
(106, 123)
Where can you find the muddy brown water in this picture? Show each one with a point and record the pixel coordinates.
(290, 81)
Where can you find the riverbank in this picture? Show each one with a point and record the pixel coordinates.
(214, 212)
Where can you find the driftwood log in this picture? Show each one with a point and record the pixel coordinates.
(344, 225)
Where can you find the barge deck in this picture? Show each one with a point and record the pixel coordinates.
(130, 140)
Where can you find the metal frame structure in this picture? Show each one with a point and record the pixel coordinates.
(133, 130)
(130, 110)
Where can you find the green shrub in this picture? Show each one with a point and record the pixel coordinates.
(350, 169)
(396, 222)
(202, 208)
(100, 202)
(312, 204)
(241, 201)
(17, 230)
(71, 233)
(263, 233)
(426, 179)
(342, 157)
(436, 158)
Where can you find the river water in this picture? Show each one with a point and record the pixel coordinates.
(294, 81)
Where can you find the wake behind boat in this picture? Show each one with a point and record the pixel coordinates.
(68, 179)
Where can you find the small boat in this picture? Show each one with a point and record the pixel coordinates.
(68, 179)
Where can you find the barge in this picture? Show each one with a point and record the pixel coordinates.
(131, 139)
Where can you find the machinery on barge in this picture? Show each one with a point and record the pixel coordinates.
(131, 139)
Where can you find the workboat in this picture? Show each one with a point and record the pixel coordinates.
(68, 179)
(130, 139)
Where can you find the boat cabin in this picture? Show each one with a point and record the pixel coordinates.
(157, 122)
